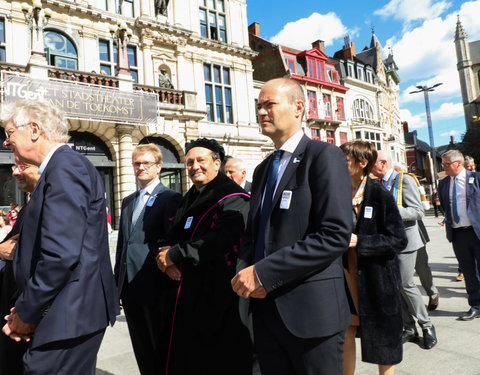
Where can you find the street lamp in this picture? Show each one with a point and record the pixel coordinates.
(36, 19)
(121, 34)
(426, 90)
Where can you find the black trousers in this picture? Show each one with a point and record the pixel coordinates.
(281, 353)
(11, 352)
(149, 327)
(466, 246)
(75, 356)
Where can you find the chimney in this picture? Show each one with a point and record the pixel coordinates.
(349, 51)
(320, 44)
(405, 126)
(452, 140)
(254, 28)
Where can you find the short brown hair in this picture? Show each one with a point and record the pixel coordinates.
(148, 147)
(360, 151)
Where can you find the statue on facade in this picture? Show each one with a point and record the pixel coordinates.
(164, 80)
(161, 7)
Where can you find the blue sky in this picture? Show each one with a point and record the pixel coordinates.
(420, 32)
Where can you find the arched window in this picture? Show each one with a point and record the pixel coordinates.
(60, 51)
(362, 111)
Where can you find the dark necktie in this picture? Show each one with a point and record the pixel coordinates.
(267, 204)
(456, 218)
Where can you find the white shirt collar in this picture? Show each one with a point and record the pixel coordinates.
(149, 189)
(388, 175)
(291, 144)
(48, 157)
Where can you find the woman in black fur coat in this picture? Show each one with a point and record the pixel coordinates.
(371, 266)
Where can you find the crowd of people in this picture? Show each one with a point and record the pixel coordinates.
(286, 270)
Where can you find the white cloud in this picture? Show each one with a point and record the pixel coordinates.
(414, 121)
(451, 132)
(448, 111)
(412, 10)
(301, 33)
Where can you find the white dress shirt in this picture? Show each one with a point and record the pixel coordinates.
(461, 200)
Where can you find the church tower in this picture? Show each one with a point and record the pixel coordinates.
(468, 80)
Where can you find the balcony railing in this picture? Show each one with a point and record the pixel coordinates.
(168, 96)
(85, 77)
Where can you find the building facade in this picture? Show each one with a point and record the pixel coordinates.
(468, 66)
(325, 96)
(372, 101)
(186, 73)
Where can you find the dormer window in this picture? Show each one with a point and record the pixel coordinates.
(315, 69)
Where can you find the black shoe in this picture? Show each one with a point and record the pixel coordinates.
(410, 334)
(433, 302)
(470, 315)
(429, 337)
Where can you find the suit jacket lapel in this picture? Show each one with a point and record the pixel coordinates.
(292, 166)
(257, 198)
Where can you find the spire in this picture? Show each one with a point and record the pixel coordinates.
(374, 40)
(460, 32)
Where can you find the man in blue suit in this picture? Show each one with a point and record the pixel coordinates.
(147, 295)
(459, 195)
(62, 268)
(299, 225)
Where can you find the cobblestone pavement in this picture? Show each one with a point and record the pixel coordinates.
(457, 352)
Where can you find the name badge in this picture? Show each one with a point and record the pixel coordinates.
(151, 200)
(471, 180)
(286, 199)
(368, 212)
(389, 187)
(188, 223)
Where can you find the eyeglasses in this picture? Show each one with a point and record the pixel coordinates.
(449, 164)
(20, 167)
(146, 164)
(9, 132)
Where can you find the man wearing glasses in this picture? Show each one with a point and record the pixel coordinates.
(462, 222)
(66, 290)
(147, 295)
(11, 352)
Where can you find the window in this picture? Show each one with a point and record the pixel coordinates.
(60, 51)
(331, 74)
(331, 137)
(362, 111)
(291, 64)
(358, 135)
(212, 20)
(218, 93)
(373, 138)
(360, 73)
(315, 69)
(2, 40)
(340, 109)
(124, 7)
(327, 105)
(350, 71)
(316, 134)
(343, 138)
(108, 58)
(312, 104)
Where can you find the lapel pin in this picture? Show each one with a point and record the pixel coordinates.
(295, 160)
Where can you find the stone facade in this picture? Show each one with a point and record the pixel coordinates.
(168, 47)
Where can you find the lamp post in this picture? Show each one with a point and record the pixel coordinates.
(36, 18)
(426, 90)
(121, 34)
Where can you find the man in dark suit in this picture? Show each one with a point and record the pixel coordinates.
(147, 295)
(67, 293)
(11, 352)
(236, 171)
(299, 226)
(460, 199)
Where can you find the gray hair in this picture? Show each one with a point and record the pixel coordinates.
(453, 155)
(469, 159)
(51, 120)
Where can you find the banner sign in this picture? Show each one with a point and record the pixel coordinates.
(84, 101)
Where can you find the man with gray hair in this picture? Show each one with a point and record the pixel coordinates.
(411, 210)
(236, 171)
(469, 164)
(462, 222)
(67, 294)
